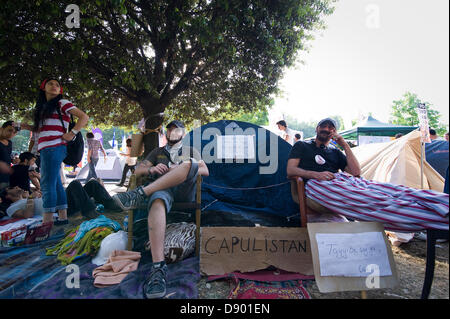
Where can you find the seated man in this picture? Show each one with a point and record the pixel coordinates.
(315, 159)
(173, 169)
(398, 207)
(22, 175)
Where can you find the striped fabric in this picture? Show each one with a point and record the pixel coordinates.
(399, 208)
(51, 131)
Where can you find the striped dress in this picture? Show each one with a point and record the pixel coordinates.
(51, 130)
(399, 208)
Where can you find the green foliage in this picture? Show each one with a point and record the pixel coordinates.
(131, 59)
(404, 113)
(309, 128)
(260, 118)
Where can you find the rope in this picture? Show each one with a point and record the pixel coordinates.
(153, 130)
(244, 189)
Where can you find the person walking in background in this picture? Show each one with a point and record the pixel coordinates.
(130, 163)
(51, 119)
(33, 149)
(287, 133)
(92, 156)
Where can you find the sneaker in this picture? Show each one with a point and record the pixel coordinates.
(155, 285)
(130, 200)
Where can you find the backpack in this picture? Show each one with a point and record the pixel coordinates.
(75, 148)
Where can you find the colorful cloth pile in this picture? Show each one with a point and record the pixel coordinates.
(69, 250)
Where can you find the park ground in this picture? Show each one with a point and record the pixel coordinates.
(410, 259)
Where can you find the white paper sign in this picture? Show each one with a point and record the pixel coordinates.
(235, 147)
(348, 255)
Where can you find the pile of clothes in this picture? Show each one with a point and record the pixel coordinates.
(83, 240)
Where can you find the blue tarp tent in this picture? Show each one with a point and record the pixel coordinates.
(436, 154)
(253, 184)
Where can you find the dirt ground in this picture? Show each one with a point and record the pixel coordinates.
(410, 259)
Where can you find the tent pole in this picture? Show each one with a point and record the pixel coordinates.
(421, 163)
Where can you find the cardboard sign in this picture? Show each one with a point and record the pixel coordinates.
(351, 256)
(227, 249)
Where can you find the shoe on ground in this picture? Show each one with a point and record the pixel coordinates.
(130, 200)
(155, 285)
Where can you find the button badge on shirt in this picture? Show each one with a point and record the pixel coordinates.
(319, 160)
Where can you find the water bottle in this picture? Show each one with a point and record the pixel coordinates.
(125, 223)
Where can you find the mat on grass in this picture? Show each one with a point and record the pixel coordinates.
(181, 283)
(23, 267)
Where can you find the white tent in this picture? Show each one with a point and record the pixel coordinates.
(398, 162)
(110, 170)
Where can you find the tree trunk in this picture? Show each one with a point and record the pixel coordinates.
(154, 119)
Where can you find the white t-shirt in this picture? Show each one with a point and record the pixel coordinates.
(130, 161)
(22, 204)
(291, 134)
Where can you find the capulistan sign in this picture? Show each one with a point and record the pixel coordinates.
(245, 249)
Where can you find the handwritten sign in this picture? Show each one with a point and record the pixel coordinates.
(236, 147)
(227, 249)
(422, 113)
(349, 255)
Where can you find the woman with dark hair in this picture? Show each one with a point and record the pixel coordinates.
(130, 163)
(51, 119)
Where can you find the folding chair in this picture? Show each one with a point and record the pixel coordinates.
(299, 196)
(177, 206)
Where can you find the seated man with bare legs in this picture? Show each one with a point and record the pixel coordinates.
(173, 170)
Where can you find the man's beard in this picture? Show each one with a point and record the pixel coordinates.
(323, 136)
(173, 142)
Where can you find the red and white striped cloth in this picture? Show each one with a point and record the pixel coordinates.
(51, 130)
(399, 208)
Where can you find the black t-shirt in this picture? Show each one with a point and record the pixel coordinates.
(5, 156)
(162, 155)
(313, 158)
(20, 177)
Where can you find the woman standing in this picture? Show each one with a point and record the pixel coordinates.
(130, 163)
(53, 138)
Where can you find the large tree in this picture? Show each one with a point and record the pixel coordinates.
(192, 59)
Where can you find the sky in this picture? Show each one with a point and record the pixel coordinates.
(370, 54)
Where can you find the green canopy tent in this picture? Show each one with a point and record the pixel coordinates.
(370, 130)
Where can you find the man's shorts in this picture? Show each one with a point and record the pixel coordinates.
(184, 192)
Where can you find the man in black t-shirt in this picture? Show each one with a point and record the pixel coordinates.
(173, 170)
(21, 172)
(316, 160)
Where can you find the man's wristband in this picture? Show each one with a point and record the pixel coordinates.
(74, 131)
